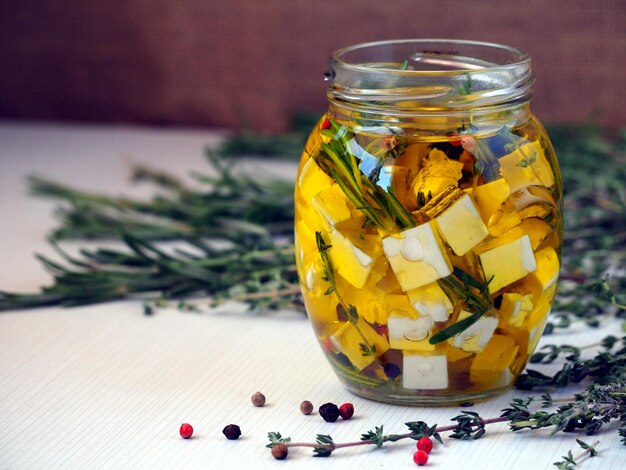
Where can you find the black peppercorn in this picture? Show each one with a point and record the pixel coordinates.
(232, 432)
(329, 412)
(392, 370)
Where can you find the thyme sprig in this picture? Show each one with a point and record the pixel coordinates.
(588, 411)
(346, 310)
(605, 367)
(569, 461)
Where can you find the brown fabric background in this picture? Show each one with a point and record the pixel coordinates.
(253, 63)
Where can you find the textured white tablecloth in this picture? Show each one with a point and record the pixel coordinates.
(108, 387)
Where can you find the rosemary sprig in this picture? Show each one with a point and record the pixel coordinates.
(340, 158)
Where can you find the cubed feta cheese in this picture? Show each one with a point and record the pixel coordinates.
(489, 366)
(312, 180)
(421, 372)
(431, 300)
(526, 166)
(508, 262)
(409, 333)
(462, 226)
(347, 340)
(416, 257)
(352, 263)
(515, 307)
(331, 205)
(489, 197)
(548, 267)
(477, 336)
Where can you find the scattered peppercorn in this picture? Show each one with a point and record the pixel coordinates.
(306, 407)
(420, 457)
(232, 432)
(329, 412)
(186, 430)
(280, 451)
(258, 399)
(425, 444)
(346, 410)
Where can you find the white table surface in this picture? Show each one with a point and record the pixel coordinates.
(107, 387)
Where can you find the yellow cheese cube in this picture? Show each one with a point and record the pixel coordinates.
(489, 368)
(350, 261)
(331, 205)
(347, 340)
(489, 197)
(537, 229)
(431, 300)
(304, 240)
(312, 180)
(515, 307)
(476, 337)
(503, 220)
(542, 307)
(548, 267)
(507, 263)
(462, 226)
(526, 166)
(416, 257)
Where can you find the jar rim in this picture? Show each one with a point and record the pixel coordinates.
(519, 56)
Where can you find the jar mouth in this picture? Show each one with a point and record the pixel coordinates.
(430, 73)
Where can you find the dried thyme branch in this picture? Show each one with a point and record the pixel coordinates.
(244, 214)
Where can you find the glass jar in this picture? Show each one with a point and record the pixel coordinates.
(428, 220)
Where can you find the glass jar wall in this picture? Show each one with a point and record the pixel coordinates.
(428, 220)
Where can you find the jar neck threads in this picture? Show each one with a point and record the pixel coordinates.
(430, 77)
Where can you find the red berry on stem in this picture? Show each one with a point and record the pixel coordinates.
(420, 457)
(186, 431)
(346, 410)
(425, 444)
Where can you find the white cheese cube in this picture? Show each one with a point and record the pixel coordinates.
(416, 257)
(476, 337)
(508, 263)
(462, 226)
(424, 372)
(409, 333)
(431, 300)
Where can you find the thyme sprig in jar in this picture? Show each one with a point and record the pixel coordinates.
(428, 220)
